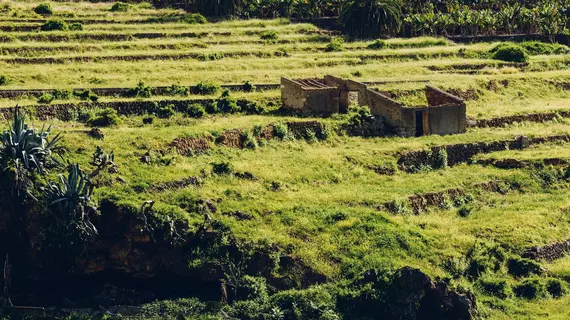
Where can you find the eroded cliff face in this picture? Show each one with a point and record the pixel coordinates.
(131, 263)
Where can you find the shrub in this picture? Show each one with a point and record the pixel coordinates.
(537, 47)
(378, 44)
(530, 289)
(227, 104)
(148, 120)
(439, 159)
(249, 141)
(313, 303)
(222, 168)
(63, 94)
(464, 211)
(207, 88)
(189, 18)
(210, 56)
(54, 25)
(76, 26)
(44, 9)
(177, 90)
(248, 87)
(4, 80)
(195, 110)
(166, 112)
(357, 74)
(269, 35)
(335, 45)
(281, 131)
(522, 267)
(86, 95)
(193, 18)
(212, 108)
(120, 7)
(495, 287)
(104, 118)
(556, 287)
(45, 98)
(141, 90)
(253, 108)
(509, 52)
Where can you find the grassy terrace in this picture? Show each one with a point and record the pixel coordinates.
(319, 201)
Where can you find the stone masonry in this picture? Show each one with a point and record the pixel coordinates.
(444, 114)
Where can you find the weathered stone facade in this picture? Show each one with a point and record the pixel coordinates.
(444, 114)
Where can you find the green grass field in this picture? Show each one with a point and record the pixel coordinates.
(321, 201)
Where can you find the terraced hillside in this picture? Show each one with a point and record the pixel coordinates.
(205, 195)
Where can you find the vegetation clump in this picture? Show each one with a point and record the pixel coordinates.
(206, 88)
(76, 26)
(222, 168)
(105, 118)
(46, 98)
(140, 91)
(120, 7)
(86, 94)
(509, 52)
(530, 289)
(177, 90)
(195, 110)
(55, 25)
(335, 45)
(44, 9)
(166, 112)
(522, 267)
(227, 104)
(269, 35)
(4, 80)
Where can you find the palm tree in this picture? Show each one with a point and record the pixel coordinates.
(219, 8)
(371, 18)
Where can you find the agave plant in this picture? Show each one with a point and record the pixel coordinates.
(24, 150)
(25, 146)
(70, 202)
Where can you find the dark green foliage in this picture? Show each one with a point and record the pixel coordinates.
(529, 289)
(120, 7)
(104, 118)
(46, 98)
(62, 94)
(371, 18)
(55, 25)
(269, 35)
(69, 200)
(253, 108)
(538, 48)
(377, 45)
(190, 308)
(165, 112)
(25, 150)
(313, 303)
(248, 87)
(438, 159)
(362, 123)
(195, 110)
(495, 287)
(219, 8)
(522, 267)
(335, 45)
(483, 258)
(212, 108)
(76, 26)
(44, 9)
(177, 90)
(509, 52)
(281, 131)
(249, 141)
(140, 91)
(189, 18)
(464, 211)
(207, 88)
(222, 168)
(227, 104)
(86, 95)
(148, 120)
(4, 80)
(556, 287)
(210, 56)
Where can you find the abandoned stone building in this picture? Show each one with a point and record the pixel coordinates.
(444, 113)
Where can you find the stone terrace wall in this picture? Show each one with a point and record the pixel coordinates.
(437, 97)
